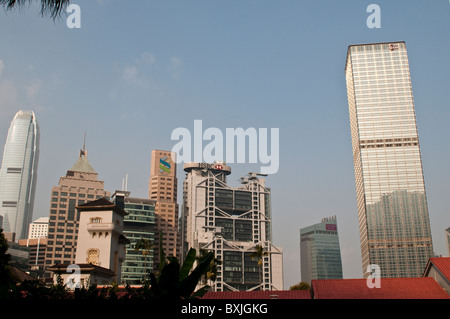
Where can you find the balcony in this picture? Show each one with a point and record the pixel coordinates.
(104, 227)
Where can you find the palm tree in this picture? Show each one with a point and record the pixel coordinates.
(146, 247)
(52, 7)
(259, 254)
(175, 281)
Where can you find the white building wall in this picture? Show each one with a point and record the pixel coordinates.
(102, 236)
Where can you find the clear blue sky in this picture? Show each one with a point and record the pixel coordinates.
(136, 70)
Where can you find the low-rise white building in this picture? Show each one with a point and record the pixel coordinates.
(100, 246)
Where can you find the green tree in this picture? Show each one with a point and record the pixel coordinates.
(176, 281)
(301, 286)
(146, 248)
(259, 254)
(5, 269)
(211, 273)
(54, 8)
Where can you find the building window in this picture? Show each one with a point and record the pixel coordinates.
(9, 204)
(92, 256)
(96, 220)
(14, 170)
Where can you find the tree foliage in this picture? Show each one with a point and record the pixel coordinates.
(301, 286)
(259, 254)
(5, 273)
(53, 8)
(173, 282)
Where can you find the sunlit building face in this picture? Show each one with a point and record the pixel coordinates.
(392, 207)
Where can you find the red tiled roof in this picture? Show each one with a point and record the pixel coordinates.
(278, 294)
(391, 288)
(443, 264)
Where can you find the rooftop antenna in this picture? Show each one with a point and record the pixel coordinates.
(125, 183)
(83, 151)
(84, 142)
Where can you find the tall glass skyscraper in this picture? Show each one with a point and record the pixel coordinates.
(18, 174)
(392, 206)
(320, 251)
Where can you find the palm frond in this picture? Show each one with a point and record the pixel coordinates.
(54, 8)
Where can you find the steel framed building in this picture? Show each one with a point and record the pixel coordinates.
(231, 222)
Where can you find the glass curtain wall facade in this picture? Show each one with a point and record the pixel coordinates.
(140, 223)
(320, 251)
(18, 174)
(392, 206)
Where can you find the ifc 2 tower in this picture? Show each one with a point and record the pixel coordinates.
(18, 174)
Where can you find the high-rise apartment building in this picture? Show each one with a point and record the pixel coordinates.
(232, 223)
(139, 224)
(79, 186)
(18, 174)
(320, 252)
(392, 206)
(163, 189)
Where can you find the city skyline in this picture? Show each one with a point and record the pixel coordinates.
(262, 65)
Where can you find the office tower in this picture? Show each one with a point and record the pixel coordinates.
(232, 223)
(139, 224)
(38, 228)
(163, 189)
(79, 186)
(18, 174)
(320, 252)
(36, 258)
(392, 206)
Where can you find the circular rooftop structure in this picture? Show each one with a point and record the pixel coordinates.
(216, 166)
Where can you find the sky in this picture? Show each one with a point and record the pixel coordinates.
(137, 70)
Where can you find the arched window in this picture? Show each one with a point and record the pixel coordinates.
(92, 256)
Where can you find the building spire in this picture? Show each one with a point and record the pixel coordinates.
(83, 151)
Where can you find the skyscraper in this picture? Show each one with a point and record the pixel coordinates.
(392, 206)
(163, 189)
(18, 174)
(320, 251)
(232, 223)
(79, 186)
(138, 224)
